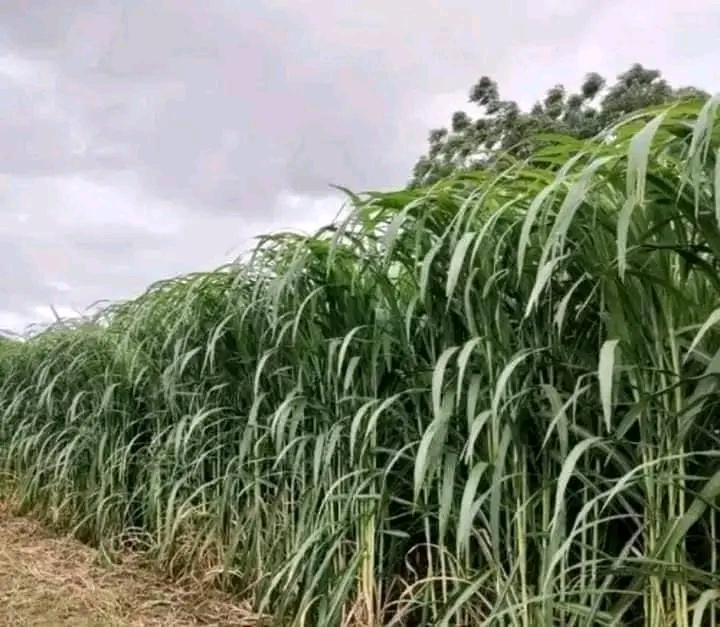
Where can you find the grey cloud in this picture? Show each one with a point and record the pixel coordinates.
(37, 148)
(103, 248)
(22, 284)
(144, 138)
(315, 92)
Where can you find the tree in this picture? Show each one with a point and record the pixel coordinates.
(503, 127)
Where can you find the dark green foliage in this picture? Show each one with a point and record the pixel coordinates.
(502, 128)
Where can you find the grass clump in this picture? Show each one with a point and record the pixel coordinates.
(493, 401)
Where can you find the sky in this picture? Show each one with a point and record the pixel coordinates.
(140, 140)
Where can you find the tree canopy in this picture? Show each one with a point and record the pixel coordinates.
(472, 143)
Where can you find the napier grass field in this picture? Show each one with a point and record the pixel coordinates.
(494, 401)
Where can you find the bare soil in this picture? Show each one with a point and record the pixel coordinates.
(52, 581)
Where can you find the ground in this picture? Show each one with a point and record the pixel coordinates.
(52, 581)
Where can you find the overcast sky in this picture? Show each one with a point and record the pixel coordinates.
(142, 139)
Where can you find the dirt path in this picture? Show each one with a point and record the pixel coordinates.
(48, 581)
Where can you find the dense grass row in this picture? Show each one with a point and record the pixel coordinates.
(490, 402)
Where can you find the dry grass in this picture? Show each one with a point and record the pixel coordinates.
(51, 581)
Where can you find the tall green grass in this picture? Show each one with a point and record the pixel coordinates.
(494, 401)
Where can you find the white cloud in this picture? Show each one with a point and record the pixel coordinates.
(13, 322)
(88, 240)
